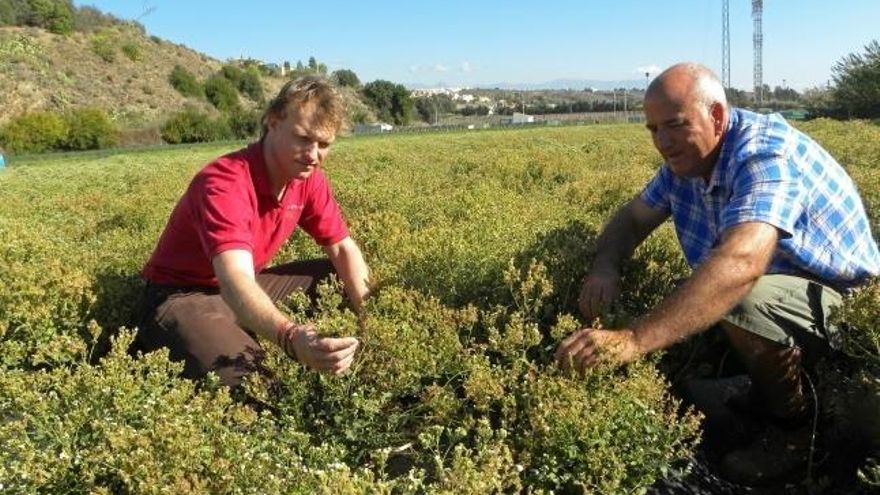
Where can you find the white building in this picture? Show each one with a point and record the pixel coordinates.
(521, 118)
(372, 128)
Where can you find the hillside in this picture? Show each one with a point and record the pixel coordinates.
(117, 68)
(44, 71)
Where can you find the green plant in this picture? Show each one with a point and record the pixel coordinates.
(221, 93)
(453, 389)
(133, 51)
(89, 129)
(34, 132)
(104, 46)
(192, 126)
(185, 82)
(244, 124)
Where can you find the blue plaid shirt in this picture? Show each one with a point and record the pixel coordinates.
(770, 172)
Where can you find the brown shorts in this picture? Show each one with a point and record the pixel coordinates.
(197, 326)
(792, 311)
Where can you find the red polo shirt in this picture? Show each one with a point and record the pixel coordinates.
(229, 205)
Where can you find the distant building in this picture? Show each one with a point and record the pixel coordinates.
(372, 128)
(521, 118)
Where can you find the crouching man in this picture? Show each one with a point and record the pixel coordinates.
(772, 226)
(209, 296)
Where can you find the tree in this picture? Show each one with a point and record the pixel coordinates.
(857, 83)
(431, 107)
(221, 93)
(89, 129)
(54, 15)
(185, 82)
(390, 101)
(345, 77)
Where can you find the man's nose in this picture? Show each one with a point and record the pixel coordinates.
(663, 140)
(312, 152)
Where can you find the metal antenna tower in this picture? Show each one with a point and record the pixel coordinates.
(725, 43)
(758, 39)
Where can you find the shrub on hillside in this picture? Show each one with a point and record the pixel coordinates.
(34, 132)
(233, 74)
(245, 124)
(251, 85)
(221, 93)
(192, 126)
(133, 51)
(102, 46)
(246, 81)
(53, 15)
(185, 82)
(89, 129)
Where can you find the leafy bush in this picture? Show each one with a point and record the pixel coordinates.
(392, 102)
(251, 84)
(246, 81)
(233, 74)
(244, 124)
(857, 83)
(133, 51)
(185, 82)
(221, 93)
(89, 129)
(103, 46)
(346, 77)
(192, 126)
(452, 390)
(53, 15)
(34, 132)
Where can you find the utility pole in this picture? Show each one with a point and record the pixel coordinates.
(758, 42)
(725, 43)
(614, 102)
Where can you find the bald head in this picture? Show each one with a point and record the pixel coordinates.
(688, 83)
(687, 114)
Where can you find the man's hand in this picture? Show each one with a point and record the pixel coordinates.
(331, 355)
(588, 347)
(600, 289)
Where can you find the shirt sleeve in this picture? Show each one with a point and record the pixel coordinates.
(656, 193)
(767, 189)
(223, 214)
(322, 218)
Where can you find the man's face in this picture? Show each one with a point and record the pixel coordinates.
(685, 133)
(296, 145)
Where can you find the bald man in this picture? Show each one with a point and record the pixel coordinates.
(773, 229)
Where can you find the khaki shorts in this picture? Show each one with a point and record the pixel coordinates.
(790, 310)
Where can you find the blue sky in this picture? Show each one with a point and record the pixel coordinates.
(477, 42)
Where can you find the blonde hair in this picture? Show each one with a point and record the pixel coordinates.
(318, 91)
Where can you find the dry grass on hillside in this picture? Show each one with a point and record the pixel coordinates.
(44, 71)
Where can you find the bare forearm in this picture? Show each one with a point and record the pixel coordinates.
(353, 271)
(253, 308)
(623, 233)
(723, 280)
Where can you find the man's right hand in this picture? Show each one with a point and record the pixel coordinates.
(600, 289)
(327, 354)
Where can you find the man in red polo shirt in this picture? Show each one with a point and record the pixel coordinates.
(208, 293)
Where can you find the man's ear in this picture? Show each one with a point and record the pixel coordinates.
(272, 120)
(718, 113)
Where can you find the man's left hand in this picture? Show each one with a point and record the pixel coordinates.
(589, 347)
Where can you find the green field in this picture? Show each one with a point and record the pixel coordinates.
(479, 241)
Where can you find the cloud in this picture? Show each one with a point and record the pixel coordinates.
(441, 68)
(652, 69)
(465, 66)
(415, 69)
